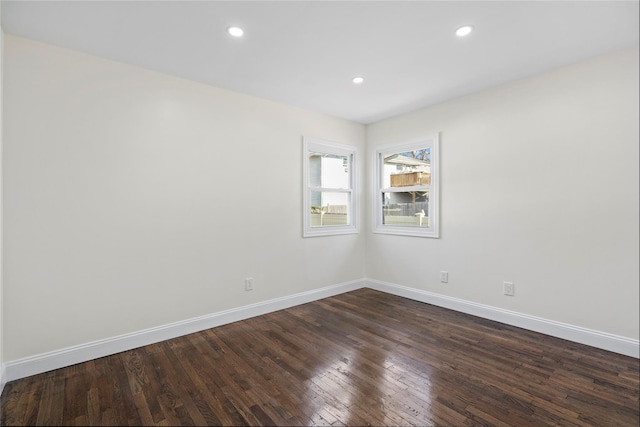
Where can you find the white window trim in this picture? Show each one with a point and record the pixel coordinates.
(320, 146)
(433, 230)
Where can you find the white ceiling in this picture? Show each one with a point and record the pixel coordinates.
(305, 53)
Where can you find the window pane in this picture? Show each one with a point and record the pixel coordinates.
(407, 168)
(406, 209)
(329, 209)
(328, 171)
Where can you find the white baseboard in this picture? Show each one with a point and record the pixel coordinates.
(3, 376)
(69, 356)
(605, 341)
(81, 353)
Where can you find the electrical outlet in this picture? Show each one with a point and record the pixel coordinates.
(444, 276)
(509, 288)
(248, 284)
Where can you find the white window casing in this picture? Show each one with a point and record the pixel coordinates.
(407, 188)
(329, 199)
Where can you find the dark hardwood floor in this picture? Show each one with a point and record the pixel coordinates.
(361, 358)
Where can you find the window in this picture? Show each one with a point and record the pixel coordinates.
(406, 198)
(329, 188)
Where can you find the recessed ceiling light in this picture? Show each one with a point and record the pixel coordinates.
(464, 31)
(235, 31)
(357, 80)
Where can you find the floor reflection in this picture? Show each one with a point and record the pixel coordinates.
(370, 386)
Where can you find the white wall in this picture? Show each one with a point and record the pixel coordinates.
(135, 199)
(131, 199)
(539, 187)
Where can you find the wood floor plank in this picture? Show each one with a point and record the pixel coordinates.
(360, 358)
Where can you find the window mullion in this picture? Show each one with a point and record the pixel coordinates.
(406, 189)
(331, 190)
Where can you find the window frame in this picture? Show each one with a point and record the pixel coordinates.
(433, 230)
(315, 145)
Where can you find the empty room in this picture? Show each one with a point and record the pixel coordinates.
(382, 213)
